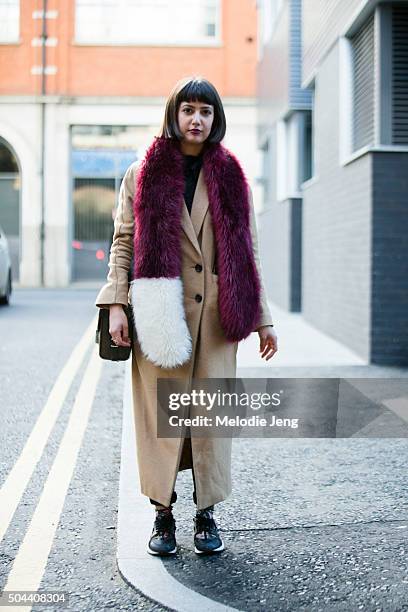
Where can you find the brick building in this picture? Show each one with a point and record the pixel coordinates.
(82, 90)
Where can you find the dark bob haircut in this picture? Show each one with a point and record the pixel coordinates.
(193, 89)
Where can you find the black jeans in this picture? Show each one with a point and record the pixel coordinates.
(174, 497)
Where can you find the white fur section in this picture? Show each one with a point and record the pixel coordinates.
(161, 328)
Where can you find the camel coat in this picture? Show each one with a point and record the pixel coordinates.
(160, 459)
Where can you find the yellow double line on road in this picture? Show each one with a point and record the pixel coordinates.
(30, 562)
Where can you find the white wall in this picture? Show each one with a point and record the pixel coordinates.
(20, 125)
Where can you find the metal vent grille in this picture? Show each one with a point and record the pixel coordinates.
(363, 85)
(400, 75)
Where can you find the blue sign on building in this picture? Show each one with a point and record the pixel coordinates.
(97, 163)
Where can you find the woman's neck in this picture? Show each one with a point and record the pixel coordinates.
(191, 148)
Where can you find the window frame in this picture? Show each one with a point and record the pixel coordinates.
(16, 35)
(383, 98)
(215, 41)
(290, 142)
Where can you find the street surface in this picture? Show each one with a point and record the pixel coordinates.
(38, 333)
(313, 524)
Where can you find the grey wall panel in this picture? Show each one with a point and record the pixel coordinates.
(323, 21)
(363, 85)
(279, 227)
(389, 341)
(275, 247)
(296, 255)
(336, 228)
(298, 98)
(274, 239)
(279, 73)
(399, 74)
(273, 74)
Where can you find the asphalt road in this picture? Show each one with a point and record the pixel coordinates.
(312, 525)
(38, 332)
(316, 525)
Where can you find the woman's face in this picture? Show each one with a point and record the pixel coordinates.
(195, 120)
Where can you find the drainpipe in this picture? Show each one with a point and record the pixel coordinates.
(43, 103)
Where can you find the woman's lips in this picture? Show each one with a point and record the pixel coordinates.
(195, 131)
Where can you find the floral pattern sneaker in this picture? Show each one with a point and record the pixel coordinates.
(163, 538)
(206, 536)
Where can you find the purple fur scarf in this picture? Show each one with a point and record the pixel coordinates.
(157, 254)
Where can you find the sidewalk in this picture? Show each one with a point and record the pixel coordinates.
(299, 345)
(312, 524)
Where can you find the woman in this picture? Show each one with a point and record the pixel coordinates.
(186, 213)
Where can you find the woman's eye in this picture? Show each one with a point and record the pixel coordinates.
(205, 112)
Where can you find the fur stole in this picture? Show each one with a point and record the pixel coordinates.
(157, 288)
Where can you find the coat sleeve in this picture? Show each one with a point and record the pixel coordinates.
(266, 317)
(116, 289)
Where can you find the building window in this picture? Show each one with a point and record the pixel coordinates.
(266, 178)
(306, 147)
(399, 74)
(148, 22)
(10, 203)
(281, 161)
(9, 191)
(294, 158)
(363, 87)
(9, 21)
(374, 85)
(100, 156)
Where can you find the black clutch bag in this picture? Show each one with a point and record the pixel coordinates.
(107, 348)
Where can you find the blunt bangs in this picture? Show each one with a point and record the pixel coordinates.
(193, 89)
(197, 91)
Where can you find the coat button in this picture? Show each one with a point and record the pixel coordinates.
(198, 297)
(198, 267)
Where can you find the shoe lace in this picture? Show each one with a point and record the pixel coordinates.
(164, 523)
(205, 523)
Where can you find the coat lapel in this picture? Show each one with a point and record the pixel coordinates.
(192, 224)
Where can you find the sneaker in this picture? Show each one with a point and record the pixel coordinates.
(206, 536)
(163, 539)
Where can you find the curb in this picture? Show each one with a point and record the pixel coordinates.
(140, 570)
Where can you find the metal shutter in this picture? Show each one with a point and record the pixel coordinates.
(400, 75)
(363, 85)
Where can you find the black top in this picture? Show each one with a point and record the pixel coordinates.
(192, 167)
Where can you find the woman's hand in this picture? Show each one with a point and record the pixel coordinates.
(118, 325)
(268, 341)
